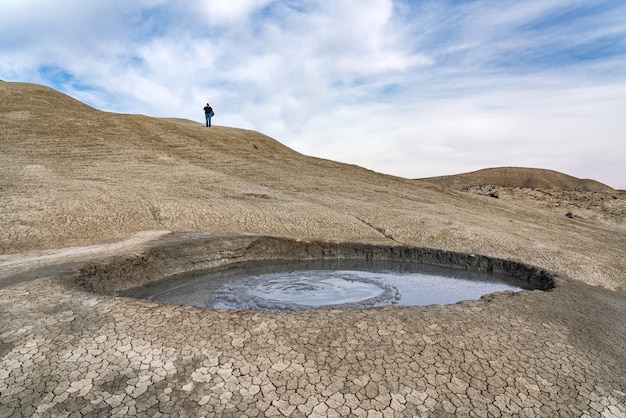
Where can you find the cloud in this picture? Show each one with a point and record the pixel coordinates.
(403, 87)
(229, 12)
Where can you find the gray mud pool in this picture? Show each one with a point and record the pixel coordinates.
(298, 285)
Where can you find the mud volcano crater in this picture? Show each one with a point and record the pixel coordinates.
(277, 273)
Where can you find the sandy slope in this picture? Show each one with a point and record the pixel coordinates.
(73, 176)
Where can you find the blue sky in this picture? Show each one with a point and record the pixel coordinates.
(410, 88)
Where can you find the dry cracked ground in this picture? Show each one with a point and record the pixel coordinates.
(79, 187)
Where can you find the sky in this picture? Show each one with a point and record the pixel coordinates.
(412, 88)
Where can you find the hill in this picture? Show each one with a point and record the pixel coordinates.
(71, 175)
(535, 178)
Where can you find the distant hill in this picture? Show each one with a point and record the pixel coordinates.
(535, 178)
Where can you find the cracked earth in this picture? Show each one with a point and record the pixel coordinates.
(68, 352)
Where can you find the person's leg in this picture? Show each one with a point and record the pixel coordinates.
(208, 119)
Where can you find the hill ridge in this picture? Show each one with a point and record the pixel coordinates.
(495, 176)
(538, 178)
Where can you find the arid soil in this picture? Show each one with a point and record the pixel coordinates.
(78, 184)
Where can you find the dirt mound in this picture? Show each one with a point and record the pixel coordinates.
(534, 178)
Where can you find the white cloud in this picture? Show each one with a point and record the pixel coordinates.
(220, 12)
(565, 129)
(409, 88)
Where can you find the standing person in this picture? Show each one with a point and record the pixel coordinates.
(208, 114)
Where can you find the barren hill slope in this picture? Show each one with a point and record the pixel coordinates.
(520, 177)
(543, 189)
(73, 175)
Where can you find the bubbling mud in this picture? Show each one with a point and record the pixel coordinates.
(292, 286)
